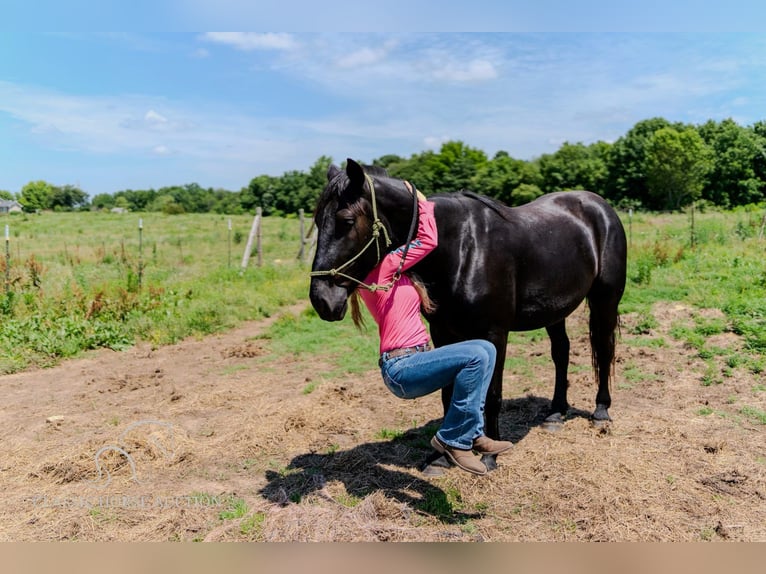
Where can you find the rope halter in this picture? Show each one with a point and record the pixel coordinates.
(378, 229)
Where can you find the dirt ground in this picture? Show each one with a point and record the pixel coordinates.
(218, 439)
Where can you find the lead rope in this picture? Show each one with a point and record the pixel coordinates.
(377, 226)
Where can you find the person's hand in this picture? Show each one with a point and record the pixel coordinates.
(421, 197)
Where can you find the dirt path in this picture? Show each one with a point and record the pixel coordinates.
(218, 439)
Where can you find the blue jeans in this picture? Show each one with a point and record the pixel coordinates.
(468, 364)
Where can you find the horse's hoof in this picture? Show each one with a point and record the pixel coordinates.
(435, 465)
(490, 461)
(601, 419)
(430, 470)
(554, 423)
(601, 425)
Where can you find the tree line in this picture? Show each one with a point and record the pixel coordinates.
(656, 165)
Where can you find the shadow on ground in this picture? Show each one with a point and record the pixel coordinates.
(395, 466)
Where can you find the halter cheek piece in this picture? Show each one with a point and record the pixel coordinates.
(377, 226)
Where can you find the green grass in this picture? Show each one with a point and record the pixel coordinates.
(754, 414)
(388, 434)
(342, 346)
(74, 281)
(235, 508)
(724, 269)
(252, 526)
(74, 286)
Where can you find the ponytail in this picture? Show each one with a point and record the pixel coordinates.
(427, 305)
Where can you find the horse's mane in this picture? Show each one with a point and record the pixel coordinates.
(337, 185)
(376, 170)
(497, 206)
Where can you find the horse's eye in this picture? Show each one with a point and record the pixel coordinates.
(345, 222)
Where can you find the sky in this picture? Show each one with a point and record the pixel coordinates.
(108, 111)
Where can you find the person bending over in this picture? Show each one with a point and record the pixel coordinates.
(409, 365)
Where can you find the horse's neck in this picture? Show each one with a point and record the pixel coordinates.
(395, 203)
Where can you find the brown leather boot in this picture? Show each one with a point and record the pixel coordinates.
(463, 459)
(486, 445)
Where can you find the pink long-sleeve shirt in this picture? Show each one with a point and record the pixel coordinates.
(397, 311)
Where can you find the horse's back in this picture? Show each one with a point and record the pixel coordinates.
(531, 265)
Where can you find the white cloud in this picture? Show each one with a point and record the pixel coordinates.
(435, 142)
(473, 71)
(365, 56)
(161, 150)
(152, 117)
(248, 41)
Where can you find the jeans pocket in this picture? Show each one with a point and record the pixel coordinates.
(396, 388)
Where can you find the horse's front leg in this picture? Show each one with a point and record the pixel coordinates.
(494, 401)
(560, 354)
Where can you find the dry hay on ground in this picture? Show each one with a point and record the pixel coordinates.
(220, 440)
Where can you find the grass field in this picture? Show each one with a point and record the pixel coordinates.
(79, 281)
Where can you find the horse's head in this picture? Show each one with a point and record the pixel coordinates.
(360, 216)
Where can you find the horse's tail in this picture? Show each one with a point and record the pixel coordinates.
(601, 344)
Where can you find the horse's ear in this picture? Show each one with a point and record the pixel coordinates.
(332, 171)
(355, 173)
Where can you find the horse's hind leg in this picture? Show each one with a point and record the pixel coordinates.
(603, 324)
(560, 354)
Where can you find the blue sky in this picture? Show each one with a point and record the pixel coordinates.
(111, 111)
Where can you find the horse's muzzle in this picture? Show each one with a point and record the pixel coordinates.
(329, 300)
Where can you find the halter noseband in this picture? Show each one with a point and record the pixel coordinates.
(377, 226)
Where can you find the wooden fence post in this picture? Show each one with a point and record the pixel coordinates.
(7, 260)
(259, 234)
(302, 250)
(228, 243)
(254, 229)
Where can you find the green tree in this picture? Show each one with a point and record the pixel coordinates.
(525, 193)
(103, 201)
(136, 200)
(315, 183)
(388, 160)
(260, 192)
(575, 166)
(292, 191)
(503, 175)
(67, 198)
(6, 194)
(758, 129)
(626, 162)
(733, 179)
(36, 195)
(420, 169)
(457, 166)
(677, 163)
(227, 202)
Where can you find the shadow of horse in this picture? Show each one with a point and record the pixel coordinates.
(394, 466)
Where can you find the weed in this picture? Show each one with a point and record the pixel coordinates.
(644, 325)
(388, 434)
(438, 503)
(754, 414)
(252, 526)
(235, 508)
(348, 500)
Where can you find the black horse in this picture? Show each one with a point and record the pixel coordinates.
(496, 269)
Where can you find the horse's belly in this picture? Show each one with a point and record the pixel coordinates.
(538, 309)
